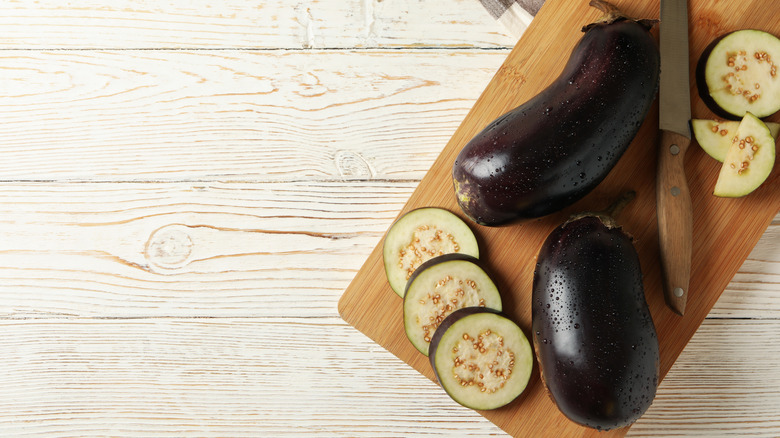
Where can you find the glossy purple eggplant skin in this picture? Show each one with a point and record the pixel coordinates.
(592, 330)
(554, 149)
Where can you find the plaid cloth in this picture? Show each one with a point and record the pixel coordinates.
(515, 15)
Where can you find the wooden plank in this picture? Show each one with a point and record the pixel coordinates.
(66, 375)
(204, 377)
(308, 376)
(754, 290)
(93, 24)
(716, 389)
(226, 249)
(186, 249)
(233, 115)
(725, 231)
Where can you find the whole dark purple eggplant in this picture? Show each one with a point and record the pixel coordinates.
(592, 330)
(552, 150)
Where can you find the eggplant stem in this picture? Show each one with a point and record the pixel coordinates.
(612, 15)
(608, 215)
(606, 7)
(618, 206)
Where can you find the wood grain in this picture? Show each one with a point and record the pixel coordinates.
(203, 377)
(233, 115)
(674, 216)
(121, 250)
(711, 361)
(186, 249)
(138, 131)
(724, 230)
(268, 24)
(288, 377)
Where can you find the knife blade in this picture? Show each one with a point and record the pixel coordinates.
(673, 200)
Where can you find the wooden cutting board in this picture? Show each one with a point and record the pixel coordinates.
(724, 230)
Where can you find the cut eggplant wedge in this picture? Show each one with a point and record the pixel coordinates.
(421, 235)
(715, 136)
(482, 359)
(738, 73)
(749, 160)
(441, 286)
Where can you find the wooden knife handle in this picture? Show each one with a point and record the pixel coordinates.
(675, 219)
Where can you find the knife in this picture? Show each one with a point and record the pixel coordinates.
(673, 200)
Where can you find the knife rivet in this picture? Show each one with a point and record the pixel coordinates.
(674, 149)
(678, 292)
(675, 191)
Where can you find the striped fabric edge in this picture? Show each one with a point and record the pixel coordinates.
(514, 15)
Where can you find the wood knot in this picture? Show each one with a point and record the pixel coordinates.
(169, 247)
(309, 85)
(351, 165)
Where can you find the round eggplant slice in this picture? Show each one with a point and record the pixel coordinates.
(420, 235)
(738, 73)
(441, 286)
(482, 359)
(749, 161)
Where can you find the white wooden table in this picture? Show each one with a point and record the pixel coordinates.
(188, 186)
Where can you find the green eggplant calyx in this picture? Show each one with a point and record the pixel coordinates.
(612, 15)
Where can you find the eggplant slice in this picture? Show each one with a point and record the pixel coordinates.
(749, 160)
(441, 286)
(482, 359)
(738, 73)
(420, 235)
